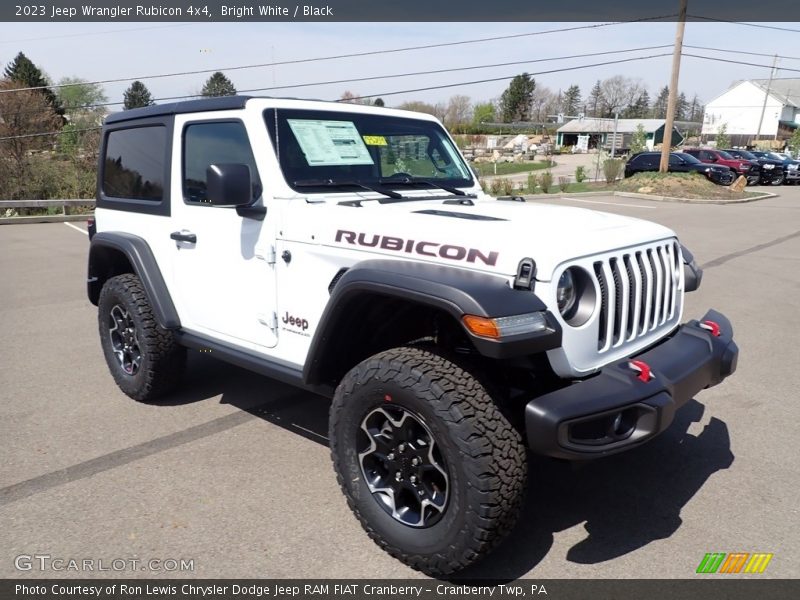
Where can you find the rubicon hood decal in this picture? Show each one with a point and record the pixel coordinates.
(424, 248)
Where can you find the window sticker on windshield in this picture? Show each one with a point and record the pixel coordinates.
(330, 143)
(375, 140)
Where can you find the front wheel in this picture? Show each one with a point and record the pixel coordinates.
(777, 180)
(431, 468)
(144, 359)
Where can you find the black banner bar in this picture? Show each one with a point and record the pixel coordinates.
(723, 588)
(781, 11)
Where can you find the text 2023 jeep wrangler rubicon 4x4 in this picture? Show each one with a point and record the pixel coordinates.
(350, 250)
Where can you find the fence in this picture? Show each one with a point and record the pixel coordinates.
(11, 204)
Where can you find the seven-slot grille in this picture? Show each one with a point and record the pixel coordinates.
(638, 293)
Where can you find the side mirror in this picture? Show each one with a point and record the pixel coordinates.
(229, 185)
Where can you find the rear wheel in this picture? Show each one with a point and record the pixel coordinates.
(143, 358)
(429, 465)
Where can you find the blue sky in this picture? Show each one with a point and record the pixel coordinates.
(97, 51)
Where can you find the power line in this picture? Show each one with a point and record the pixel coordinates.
(390, 76)
(739, 62)
(731, 51)
(340, 56)
(758, 25)
(436, 87)
(562, 70)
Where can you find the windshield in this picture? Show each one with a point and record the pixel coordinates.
(688, 158)
(776, 156)
(746, 154)
(324, 149)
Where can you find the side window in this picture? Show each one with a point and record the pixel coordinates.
(133, 166)
(674, 160)
(205, 144)
(644, 160)
(707, 156)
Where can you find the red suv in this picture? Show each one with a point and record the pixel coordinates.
(750, 169)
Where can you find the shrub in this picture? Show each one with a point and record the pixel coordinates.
(495, 186)
(508, 187)
(546, 181)
(563, 183)
(531, 183)
(612, 168)
(580, 174)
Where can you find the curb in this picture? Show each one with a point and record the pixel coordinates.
(654, 198)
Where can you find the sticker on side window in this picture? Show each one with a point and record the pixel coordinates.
(375, 140)
(330, 143)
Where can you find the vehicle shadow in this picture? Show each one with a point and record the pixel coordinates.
(298, 411)
(626, 501)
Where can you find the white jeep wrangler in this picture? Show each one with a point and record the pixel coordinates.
(350, 251)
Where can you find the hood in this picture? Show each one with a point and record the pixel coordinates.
(490, 236)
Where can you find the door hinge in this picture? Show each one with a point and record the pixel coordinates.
(270, 321)
(268, 255)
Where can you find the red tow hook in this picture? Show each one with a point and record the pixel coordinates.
(711, 326)
(643, 369)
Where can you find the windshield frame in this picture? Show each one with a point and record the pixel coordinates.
(297, 176)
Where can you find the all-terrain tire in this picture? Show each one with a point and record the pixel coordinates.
(160, 360)
(484, 455)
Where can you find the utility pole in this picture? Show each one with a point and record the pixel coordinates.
(766, 97)
(673, 88)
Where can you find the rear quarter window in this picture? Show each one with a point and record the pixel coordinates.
(133, 164)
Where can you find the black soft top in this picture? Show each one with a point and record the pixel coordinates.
(176, 108)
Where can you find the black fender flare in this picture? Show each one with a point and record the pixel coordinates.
(457, 292)
(138, 253)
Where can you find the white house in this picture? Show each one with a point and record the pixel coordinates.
(740, 107)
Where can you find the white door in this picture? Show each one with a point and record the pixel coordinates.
(224, 266)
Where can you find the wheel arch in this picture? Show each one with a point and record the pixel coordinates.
(379, 304)
(116, 253)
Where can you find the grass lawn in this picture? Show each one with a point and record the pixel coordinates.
(509, 168)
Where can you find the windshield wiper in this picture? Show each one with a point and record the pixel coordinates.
(346, 183)
(422, 180)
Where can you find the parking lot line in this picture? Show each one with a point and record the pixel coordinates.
(610, 203)
(76, 228)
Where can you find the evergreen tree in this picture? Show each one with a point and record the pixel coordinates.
(137, 96)
(596, 99)
(695, 110)
(378, 102)
(515, 103)
(660, 104)
(640, 109)
(639, 140)
(571, 101)
(681, 107)
(24, 73)
(218, 85)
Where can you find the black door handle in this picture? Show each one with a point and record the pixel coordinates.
(180, 236)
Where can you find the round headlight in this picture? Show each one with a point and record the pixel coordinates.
(565, 293)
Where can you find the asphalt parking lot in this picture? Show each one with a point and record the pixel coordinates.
(233, 472)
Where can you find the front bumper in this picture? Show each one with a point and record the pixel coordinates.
(617, 410)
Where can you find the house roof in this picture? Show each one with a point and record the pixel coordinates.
(786, 91)
(607, 125)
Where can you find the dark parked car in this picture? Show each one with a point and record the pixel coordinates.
(771, 170)
(790, 166)
(679, 163)
(741, 166)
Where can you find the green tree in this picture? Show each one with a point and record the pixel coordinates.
(596, 99)
(640, 109)
(722, 139)
(483, 112)
(682, 107)
(639, 140)
(660, 104)
(379, 102)
(794, 142)
(137, 96)
(218, 85)
(515, 103)
(24, 73)
(695, 110)
(80, 98)
(571, 101)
